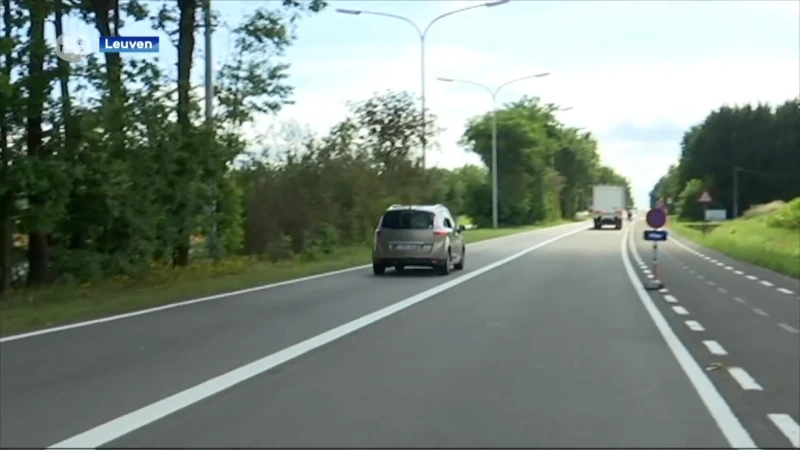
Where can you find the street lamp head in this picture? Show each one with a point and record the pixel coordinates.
(446, 80)
(497, 3)
(353, 12)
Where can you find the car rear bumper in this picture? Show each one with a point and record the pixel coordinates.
(423, 262)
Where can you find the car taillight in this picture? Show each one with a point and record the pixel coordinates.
(440, 232)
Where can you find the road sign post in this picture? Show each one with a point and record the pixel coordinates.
(656, 218)
(705, 199)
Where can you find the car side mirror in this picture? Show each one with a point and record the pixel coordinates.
(461, 228)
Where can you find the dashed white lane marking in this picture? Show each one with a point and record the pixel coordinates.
(694, 325)
(127, 423)
(736, 435)
(751, 277)
(713, 261)
(788, 427)
(650, 275)
(700, 277)
(663, 290)
(760, 312)
(728, 268)
(670, 299)
(738, 272)
(788, 328)
(723, 290)
(739, 299)
(720, 264)
(785, 291)
(711, 283)
(680, 310)
(744, 379)
(766, 283)
(692, 272)
(715, 348)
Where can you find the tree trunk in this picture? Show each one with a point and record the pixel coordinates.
(188, 9)
(38, 248)
(7, 198)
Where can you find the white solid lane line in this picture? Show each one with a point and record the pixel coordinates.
(680, 310)
(715, 348)
(728, 423)
(744, 379)
(694, 325)
(788, 427)
(132, 421)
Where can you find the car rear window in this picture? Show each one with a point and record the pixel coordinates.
(407, 220)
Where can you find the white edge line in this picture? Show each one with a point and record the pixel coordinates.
(134, 420)
(228, 294)
(788, 427)
(728, 423)
(744, 379)
(715, 348)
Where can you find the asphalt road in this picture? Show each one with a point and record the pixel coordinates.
(557, 346)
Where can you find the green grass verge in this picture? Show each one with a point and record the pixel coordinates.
(748, 240)
(26, 309)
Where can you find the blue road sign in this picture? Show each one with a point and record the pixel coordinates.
(655, 235)
(656, 217)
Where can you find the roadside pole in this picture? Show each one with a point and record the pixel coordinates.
(705, 199)
(656, 218)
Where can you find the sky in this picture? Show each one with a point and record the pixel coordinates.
(636, 74)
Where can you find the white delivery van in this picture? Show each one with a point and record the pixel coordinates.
(608, 205)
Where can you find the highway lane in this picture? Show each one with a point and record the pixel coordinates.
(56, 385)
(552, 349)
(748, 328)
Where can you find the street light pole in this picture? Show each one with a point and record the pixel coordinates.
(422, 33)
(493, 93)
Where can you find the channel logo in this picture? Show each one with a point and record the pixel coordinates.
(128, 44)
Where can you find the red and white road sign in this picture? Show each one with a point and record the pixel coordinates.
(705, 198)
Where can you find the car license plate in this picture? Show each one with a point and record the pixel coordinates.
(405, 247)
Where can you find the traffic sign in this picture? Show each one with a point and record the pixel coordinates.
(655, 235)
(656, 217)
(705, 198)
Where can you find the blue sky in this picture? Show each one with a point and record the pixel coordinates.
(636, 73)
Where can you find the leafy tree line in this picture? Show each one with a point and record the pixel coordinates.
(109, 167)
(545, 169)
(757, 144)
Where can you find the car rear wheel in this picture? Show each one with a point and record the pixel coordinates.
(445, 269)
(460, 265)
(378, 269)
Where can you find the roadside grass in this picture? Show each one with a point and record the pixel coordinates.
(750, 240)
(28, 309)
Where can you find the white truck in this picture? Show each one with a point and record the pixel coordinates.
(608, 206)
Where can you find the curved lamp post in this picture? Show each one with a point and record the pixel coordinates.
(422, 34)
(493, 93)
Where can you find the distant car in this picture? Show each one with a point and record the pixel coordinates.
(418, 235)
